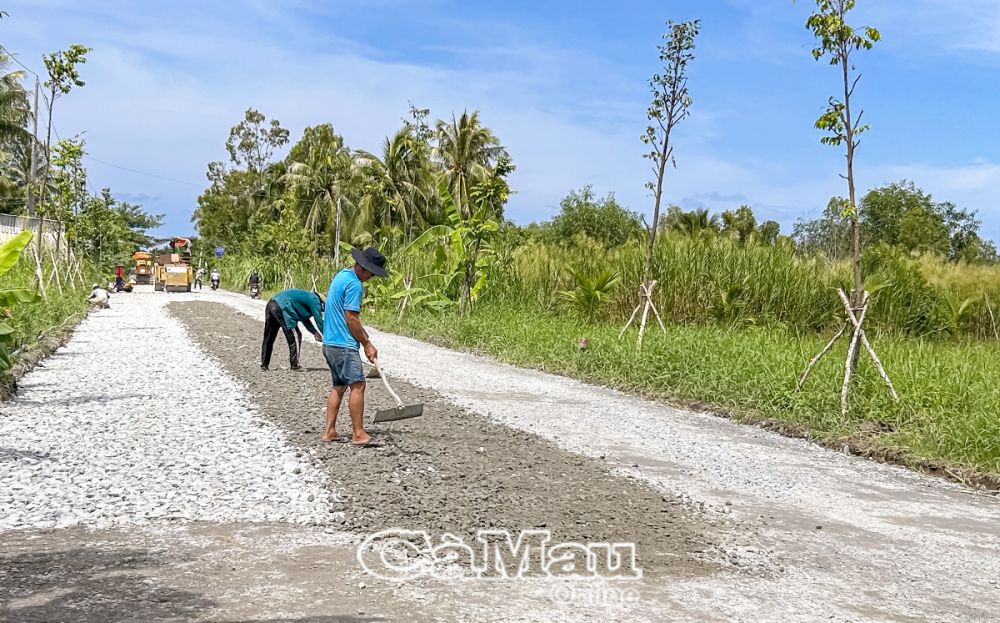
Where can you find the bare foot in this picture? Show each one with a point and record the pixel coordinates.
(333, 439)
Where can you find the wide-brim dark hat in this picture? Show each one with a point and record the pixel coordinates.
(371, 260)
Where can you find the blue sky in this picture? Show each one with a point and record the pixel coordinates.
(563, 84)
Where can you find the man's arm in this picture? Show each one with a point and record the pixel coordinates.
(311, 328)
(358, 331)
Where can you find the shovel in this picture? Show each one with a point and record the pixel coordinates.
(400, 411)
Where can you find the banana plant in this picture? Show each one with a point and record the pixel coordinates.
(11, 298)
(462, 251)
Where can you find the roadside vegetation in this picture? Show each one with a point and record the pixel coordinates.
(76, 237)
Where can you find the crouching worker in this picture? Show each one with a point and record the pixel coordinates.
(283, 313)
(99, 297)
(343, 333)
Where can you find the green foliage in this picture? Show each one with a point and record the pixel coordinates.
(109, 231)
(603, 219)
(462, 250)
(739, 222)
(465, 152)
(62, 68)
(252, 141)
(590, 292)
(695, 223)
(12, 300)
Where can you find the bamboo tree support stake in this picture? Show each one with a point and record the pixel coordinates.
(857, 336)
(407, 283)
(851, 350)
(815, 360)
(645, 304)
(868, 347)
(55, 271)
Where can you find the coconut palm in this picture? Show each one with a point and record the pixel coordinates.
(14, 111)
(696, 222)
(322, 180)
(465, 151)
(401, 180)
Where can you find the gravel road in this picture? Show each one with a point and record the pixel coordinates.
(450, 470)
(816, 535)
(151, 473)
(130, 423)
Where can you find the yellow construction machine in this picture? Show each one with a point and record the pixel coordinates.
(143, 269)
(173, 270)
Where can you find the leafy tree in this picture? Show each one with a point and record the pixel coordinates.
(465, 151)
(62, 68)
(904, 216)
(462, 249)
(829, 235)
(739, 222)
(768, 232)
(323, 180)
(604, 220)
(252, 141)
(491, 192)
(837, 41)
(14, 109)
(109, 231)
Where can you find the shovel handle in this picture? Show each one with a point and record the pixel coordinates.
(381, 375)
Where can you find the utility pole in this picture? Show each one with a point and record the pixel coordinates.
(39, 284)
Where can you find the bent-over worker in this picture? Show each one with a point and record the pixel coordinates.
(283, 313)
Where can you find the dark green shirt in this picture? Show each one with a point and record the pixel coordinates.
(300, 306)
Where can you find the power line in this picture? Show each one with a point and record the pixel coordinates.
(160, 177)
(11, 56)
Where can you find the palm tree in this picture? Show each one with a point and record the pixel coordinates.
(401, 180)
(695, 222)
(14, 111)
(465, 151)
(322, 180)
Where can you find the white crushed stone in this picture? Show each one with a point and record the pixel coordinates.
(131, 423)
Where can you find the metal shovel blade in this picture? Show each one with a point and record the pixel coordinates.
(399, 413)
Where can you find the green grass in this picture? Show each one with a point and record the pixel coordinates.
(29, 321)
(950, 391)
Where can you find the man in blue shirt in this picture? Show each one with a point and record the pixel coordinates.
(283, 313)
(343, 333)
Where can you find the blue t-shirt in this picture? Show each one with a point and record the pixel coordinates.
(345, 294)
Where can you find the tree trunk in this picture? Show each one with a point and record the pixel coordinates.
(857, 294)
(647, 272)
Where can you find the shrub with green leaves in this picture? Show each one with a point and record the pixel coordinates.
(12, 300)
